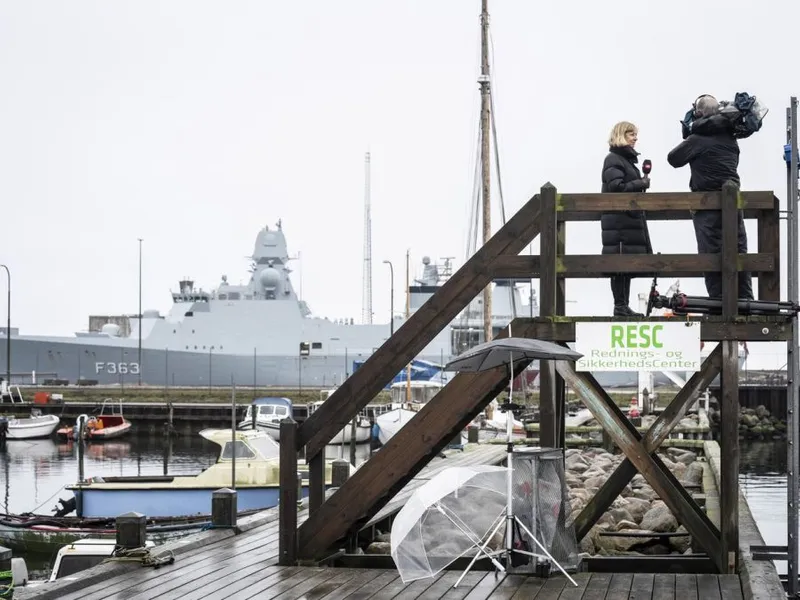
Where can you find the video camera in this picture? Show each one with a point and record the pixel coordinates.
(744, 114)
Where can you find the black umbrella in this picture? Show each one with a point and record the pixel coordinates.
(505, 351)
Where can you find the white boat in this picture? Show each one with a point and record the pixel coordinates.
(363, 428)
(408, 397)
(70, 560)
(33, 427)
(391, 421)
(269, 412)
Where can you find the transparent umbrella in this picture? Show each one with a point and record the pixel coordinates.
(447, 517)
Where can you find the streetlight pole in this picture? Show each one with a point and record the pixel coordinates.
(139, 358)
(391, 298)
(8, 330)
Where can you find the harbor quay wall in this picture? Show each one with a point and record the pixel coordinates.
(186, 411)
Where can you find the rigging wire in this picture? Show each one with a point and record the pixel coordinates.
(512, 287)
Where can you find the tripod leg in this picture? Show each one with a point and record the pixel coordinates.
(482, 550)
(543, 549)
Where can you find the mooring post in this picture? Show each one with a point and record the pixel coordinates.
(131, 530)
(548, 284)
(80, 426)
(729, 404)
(224, 508)
(340, 472)
(472, 434)
(287, 507)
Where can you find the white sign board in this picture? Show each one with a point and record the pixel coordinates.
(641, 346)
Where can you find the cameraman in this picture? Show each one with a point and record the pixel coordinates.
(712, 153)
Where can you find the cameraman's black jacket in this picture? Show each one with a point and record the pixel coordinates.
(623, 232)
(711, 152)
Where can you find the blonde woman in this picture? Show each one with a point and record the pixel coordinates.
(624, 232)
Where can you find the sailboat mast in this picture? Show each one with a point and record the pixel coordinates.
(486, 103)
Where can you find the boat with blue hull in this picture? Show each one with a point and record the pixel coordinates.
(257, 476)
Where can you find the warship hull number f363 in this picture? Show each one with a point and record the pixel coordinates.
(117, 368)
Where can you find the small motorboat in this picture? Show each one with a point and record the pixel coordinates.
(269, 412)
(33, 427)
(256, 472)
(45, 534)
(105, 426)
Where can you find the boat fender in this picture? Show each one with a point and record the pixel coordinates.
(19, 572)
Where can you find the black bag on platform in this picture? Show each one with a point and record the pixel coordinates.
(519, 543)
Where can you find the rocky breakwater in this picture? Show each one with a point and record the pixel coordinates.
(636, 510)
(754, 423)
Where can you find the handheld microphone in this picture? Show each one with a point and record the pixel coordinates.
(647, 167)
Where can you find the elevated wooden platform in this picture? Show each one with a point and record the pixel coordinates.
(333, 519)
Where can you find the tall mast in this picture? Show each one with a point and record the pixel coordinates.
(486, 104)
(366, 308)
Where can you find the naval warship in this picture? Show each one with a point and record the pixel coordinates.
(258, 334)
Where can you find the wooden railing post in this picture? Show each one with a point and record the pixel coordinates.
(729, 408)
(548, 285)
(287, 507)
(769, 242)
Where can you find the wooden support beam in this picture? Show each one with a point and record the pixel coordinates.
(769, 242)
(629, 441)
(657, 433)
(406, 453)
(561, 309)
(592, 266)
(729, 405)
(316, 482)
(287, 507)
(658, 205)
(408, 341)
(548, 287)
(729, 448)
(713, 329)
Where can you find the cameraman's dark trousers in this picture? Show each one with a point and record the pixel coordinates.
(708, 231)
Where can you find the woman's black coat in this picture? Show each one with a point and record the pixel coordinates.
(624, 232)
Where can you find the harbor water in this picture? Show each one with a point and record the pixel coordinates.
(33, 474)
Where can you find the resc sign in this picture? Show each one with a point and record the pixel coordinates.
(638, 346)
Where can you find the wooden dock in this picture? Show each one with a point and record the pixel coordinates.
(243, 563)
(219, 564)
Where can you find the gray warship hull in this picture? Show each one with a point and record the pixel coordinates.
(54, 362)
(71, 363)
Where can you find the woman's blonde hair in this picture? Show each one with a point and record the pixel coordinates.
(618, 133)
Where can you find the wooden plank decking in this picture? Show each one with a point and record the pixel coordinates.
(224, 565)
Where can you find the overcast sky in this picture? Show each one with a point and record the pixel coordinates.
(192, 124)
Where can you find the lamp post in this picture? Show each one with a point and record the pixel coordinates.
(139, 357)
(391, 298)
(8, 329)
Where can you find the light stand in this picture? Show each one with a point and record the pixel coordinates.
(509, 517)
